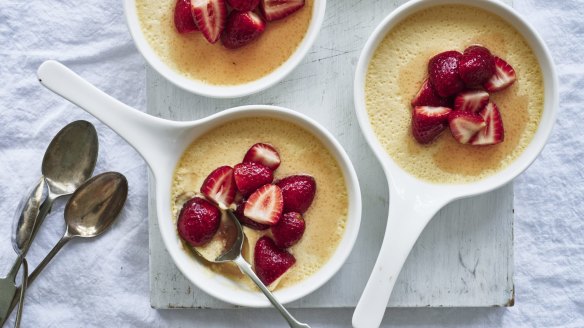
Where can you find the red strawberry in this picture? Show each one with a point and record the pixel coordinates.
(471, 101)
(264, 154)
(428, 122)
(427, 96)
(246, 221)
(288, 231)
(243, 5)
(504, 76)
(210, 16)
(219, 186)
(494, 132)
(443, 73)
(242, 28)
(183, 17)
(271, 262)
(265, 205)
(250, 176)
(278, 9)
(298, 192)
(476, 65)
(464, 125)
(198, 221)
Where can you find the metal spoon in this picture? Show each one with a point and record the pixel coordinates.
(234, 255)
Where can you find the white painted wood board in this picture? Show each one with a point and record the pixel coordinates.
(464, 256)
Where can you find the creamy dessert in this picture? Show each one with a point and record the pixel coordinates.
(222, 45)
(403, 68)
(282, 183)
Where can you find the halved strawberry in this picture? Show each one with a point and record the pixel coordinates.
(198, 221)
(288, 231)
(269, 261)
(464, 125)
(243, 5)
(219, 186)
(476, 65)
(247, 221)
(265, 205)
(427, 96)
(504, 76)
(471, 101)
(278, 9)
(241, 29)
(494, 132)
(210, 17)
(443, 73)
(298, 192)
(264, 154)
(250, 176)
(428, 122)
(183, 17)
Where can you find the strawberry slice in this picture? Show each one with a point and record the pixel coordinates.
(298, 192)
(198, 221)
(242, 28)
(504, 76)
(219, 186)
(427, 96)
(471, 101)
(269, 261)
(250, 176)
(265, 205)
(278, 9)
(428, 122)
(464, 125)
(183, 17)
(210, 16)
(247, 221)
(443, 73)
(264, 154)
(243, 5)
(476, 65)
(494, 132)
(288, 231)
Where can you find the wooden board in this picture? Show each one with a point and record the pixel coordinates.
(463, 258)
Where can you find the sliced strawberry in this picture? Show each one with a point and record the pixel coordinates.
(243, 5)
(471, 101)
(241, 29)
(443, 73)
(183, 17)
(264, 154)
(504, 76)
(298, 192)
(219, 186)
(476, 65)
(494, 132)
(198, 221)
(271, 262)
(265, 205)
(427, 96)
(278, 9)
(464, 125)
(210, 17)
(250, 176)
(428, 122)
(247, 221)
(288, 231)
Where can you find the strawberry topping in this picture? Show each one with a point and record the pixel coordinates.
(265, 205)
(443, 73)
(247, 221)
(476, 65)
(243, 5)
(471, 101)
(429, 122)
(278, 9)
(494, 132)
(241, 29)
(298, 192)
(504, 76)
(183, 17)
(250, 176)
(264, 154)
(288, 231)
(271, 262)
(464, 125)
(427, 96)
(210, 16)
(219, 186)
(198, 221)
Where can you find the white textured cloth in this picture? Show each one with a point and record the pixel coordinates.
(104, 283)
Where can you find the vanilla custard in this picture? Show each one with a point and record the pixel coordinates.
(195, 58)
(300, 152)
(399, 67)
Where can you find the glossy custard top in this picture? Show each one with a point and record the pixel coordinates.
(192, 56)
(300, 152)
(399, 66)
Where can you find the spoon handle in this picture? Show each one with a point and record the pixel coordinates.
(62, 242)
(246, 268)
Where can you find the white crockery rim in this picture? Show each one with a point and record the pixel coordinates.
(223, 288)
(224, 91)
(550, 96)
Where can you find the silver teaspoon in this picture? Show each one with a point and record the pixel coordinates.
(234, 255)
